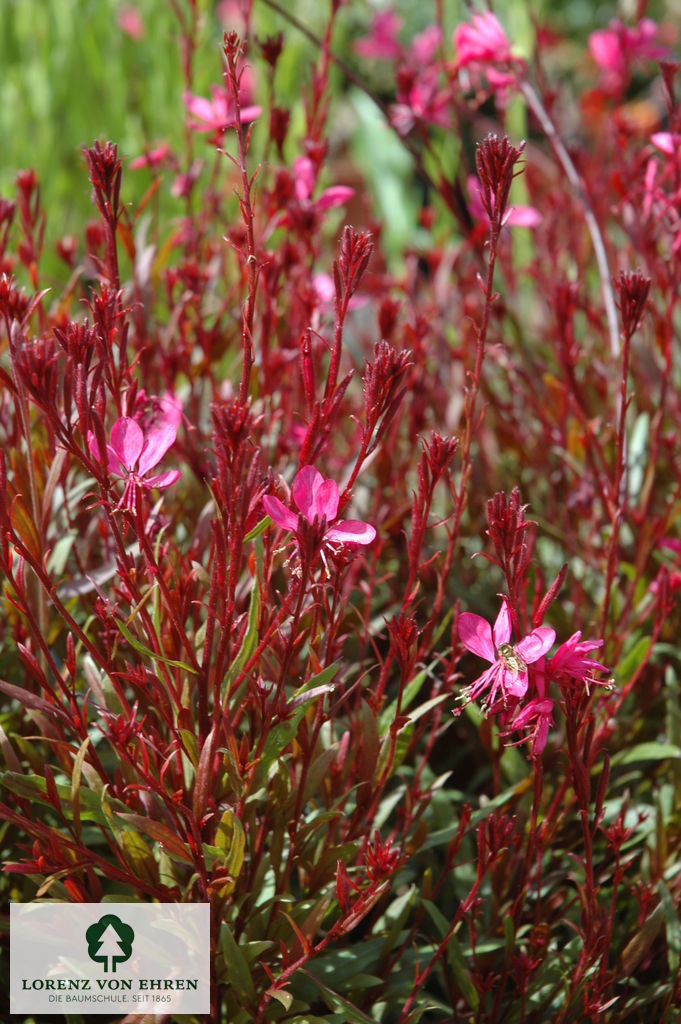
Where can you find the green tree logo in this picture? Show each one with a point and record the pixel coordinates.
(109, 941)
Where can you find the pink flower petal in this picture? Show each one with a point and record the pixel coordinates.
(171, 409)
(666, 142)
(198, 106)
(325, 501)
(334, 196)
(113, 463)
(162, 479)
(351, 531)
(523, 217)
(425, 44)
(476, 635)
(127, 440)
(606, 49)
(304, 177)
(514, 683)
(278, 512)
(503, 626)
(306, 484)
(248, 114)
(541, 735)
(158, 440)
(536, 643)
(533, 709)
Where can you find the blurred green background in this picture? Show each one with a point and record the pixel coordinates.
(70, 74)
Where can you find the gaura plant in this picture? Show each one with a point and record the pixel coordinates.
(220, 688)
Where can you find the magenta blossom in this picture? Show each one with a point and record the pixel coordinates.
(130, 21)
(382, 43)
(508, 675)
(134, 451)
(572, 659)
(304, 184)
(217, 113)
(537, 714)
(153, 158)
(481, 45)
(617, 47)
(515, 217)
(666, 142)
(317, 497)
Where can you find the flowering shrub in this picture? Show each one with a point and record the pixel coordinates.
(215, 692)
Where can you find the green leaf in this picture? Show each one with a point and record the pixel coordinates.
(249, 641)
(647, 752)
(34, 788)
(148, 653)
(643, 939)
(673, 926)
(257, 530)
(321, 679)
(637, 455)
(231, 841)
(160, 832)
(282, 996)
(633, 660)
(411, 691)
(238, 971)
(75, 783)
(351, 1014)
(455, 957)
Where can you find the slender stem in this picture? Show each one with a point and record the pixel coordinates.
(572, 174)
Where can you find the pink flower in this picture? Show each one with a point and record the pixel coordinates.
(382, 43)
(421, 99)
(425, 45)
(133, 450)
(572, 660)
(217, 113)
(537, 713)
(483, 42)
(130, 21)
(305, 180)
(615, 49)
(508, 674)
(517, 216)
(230, 14)
(317, 498)
(666, 142)
(325, 290)
(154, 158)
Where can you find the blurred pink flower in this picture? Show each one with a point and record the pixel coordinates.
(616, 48)
(517, 216)
(666, 142)
(304, 183)
(231, 15)
(130, 21)
(508, 674)
(326, 293)
(317, 497)
(538, 714)
(382, 43)
(425, 45)
(133, 450)
(217, 113)
(183, 184)
(152, 159)
(421, 99)
(481, 44)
